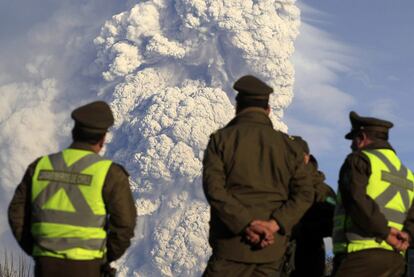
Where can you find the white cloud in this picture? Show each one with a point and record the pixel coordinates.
(167, 68)
(25, 113)
(169, 100)
(384, 108)
(320, 61)
(44, 74)
(219, 39)
(29, 127)
(319, 137)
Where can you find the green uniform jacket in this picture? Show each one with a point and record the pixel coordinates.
(118, 201)
(364, 211)
(251, 171)
(317, 222)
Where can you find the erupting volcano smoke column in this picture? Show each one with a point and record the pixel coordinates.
(169, 67)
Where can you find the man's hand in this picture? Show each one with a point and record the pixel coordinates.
(262, 232)
(405, 238)
(398, 240)
(252, 236)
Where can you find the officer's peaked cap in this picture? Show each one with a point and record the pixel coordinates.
(252, 88)
(95, 117)
(360, 123)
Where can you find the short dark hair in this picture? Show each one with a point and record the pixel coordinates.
(81, 135)
(241, 105)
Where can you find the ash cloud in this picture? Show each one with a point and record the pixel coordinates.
(166, 67)
(169, 66)
(45, 72)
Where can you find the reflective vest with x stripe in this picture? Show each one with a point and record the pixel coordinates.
(391, 186)
(68, 211)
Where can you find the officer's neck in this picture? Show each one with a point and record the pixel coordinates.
(96, 148)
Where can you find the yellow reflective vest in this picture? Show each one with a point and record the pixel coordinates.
(68, 211)
(391, 186)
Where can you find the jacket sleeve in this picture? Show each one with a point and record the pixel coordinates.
(318, 220)
(362, 209)
(409, 223)
(229, 210)
(121, 212)
(301, 195)
(19, 211)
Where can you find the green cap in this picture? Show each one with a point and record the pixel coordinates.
(250, 87)
(360, 123)
(95, 117)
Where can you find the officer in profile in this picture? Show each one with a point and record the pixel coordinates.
(73, 211)
(257, 186)
(374, 217)
(307, 250)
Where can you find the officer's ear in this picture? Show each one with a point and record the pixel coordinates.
(268, 109)
(362, 139)
(101, 142)
(306, 157)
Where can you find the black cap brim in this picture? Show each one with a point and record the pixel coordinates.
(350, 135)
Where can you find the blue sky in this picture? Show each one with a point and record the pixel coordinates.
(365, 50)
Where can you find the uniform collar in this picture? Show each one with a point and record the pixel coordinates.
(380, 144)
(81, 146)
(252, 115)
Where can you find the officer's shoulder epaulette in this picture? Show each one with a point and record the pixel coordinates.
(287, 137)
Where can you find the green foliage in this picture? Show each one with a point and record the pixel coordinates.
(10, 266)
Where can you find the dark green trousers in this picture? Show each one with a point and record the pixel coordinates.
(219, 267)
(53, 267)
(371, 263)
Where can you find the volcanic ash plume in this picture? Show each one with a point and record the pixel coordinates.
(169, 67)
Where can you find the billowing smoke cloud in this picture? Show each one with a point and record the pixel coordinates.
(172, 64)
(28, 107)
(216, 41)
(17, 116)
(167, 68)
(44, 72)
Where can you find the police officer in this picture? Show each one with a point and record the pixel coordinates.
(317, 223)
(257, 186)
(374, 215)
(73, 212)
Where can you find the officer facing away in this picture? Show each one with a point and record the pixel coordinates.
(307, 248)
(73, 211)
(257, 186)
(374, 218)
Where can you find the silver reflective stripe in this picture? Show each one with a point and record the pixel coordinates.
(70, 218)
(65, 177)
(83, 216)
(397, 180)
(61, 244)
